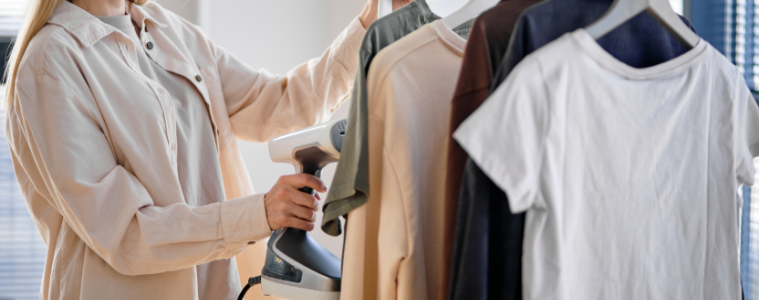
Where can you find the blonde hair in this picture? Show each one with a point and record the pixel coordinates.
(38, 14)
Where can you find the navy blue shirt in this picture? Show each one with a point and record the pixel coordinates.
(640, 42)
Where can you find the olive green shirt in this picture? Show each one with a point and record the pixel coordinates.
(350, 186)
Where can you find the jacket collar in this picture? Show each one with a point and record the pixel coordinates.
(139, 15)
(88, 29)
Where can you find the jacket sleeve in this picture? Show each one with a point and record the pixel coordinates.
(57, 141)
(262, 106)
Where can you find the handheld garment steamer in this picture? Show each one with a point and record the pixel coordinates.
(297, 267)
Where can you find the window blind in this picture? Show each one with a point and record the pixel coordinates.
(732, 27)
(11, 14)
(750, 239)
(742, 37)
(22, 252)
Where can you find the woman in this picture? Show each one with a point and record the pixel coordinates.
(122, 119)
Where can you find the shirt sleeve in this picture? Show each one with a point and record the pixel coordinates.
(746, 135)
(262, 106)
(505, 136)
(58, 144)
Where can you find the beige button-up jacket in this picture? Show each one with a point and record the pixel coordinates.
(93, 144)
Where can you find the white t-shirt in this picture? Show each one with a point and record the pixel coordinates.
(630, 176)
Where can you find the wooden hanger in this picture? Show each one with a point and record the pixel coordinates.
(623, 10)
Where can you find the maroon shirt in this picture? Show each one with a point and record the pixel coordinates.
(486, 45)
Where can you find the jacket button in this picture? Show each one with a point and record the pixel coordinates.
(217, 132)
(149, 45)
(198, 78)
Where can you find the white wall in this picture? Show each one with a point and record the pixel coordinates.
(275, 35)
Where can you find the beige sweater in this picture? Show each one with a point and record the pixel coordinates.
(394, 242)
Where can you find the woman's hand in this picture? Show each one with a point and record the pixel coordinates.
(286, 206)
(369, 14)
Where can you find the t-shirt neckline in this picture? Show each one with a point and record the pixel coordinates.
(121, 22)
(450, 37)
(606, 60)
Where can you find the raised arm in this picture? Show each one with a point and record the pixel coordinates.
(262, 106)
